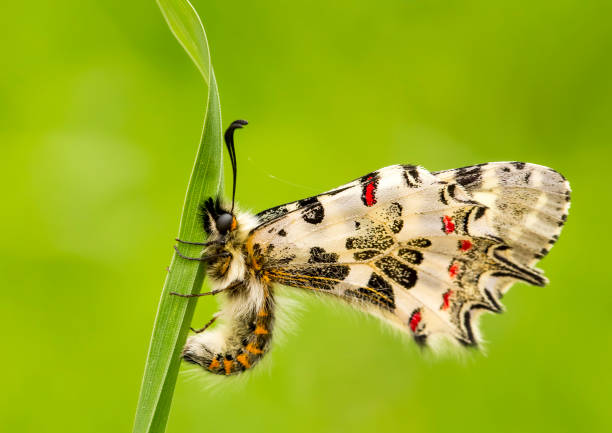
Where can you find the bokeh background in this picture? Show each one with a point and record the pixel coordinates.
(100, 117)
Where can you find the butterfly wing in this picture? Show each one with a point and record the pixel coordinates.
(527, 203)
(425, 251)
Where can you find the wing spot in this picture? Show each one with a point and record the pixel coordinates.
(446, 299)
(415, 319)
(443, 197)
(397, 271)
(411, 176)
(378, 291)
(470, 177)
(365, 255)
(465, 244)
(448, 226)
(272, 213)
(368, 195)
(318, 255)
(312, 210)
(411, 256)
(419, 243)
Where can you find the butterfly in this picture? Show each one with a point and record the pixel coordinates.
(427, 252)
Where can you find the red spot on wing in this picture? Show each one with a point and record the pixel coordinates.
(449, 225)
(446, 299)
(452, 271)
(415, 319)
(465, 245)
(370, 189)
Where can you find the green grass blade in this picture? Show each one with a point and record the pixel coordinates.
(174, 314)
(187, 27)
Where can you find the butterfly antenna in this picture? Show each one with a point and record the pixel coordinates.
(229, 142)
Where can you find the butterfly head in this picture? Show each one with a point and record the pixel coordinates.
(218, 221)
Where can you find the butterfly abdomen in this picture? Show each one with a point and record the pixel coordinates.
(236, 346)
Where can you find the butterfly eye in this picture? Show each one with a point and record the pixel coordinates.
(224, 222)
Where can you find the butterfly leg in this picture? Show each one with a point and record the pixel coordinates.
(201, 259)
(210, 322)
(196, 295)
(204, 244)
(212, 292)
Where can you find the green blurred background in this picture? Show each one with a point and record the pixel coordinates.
(100, 116)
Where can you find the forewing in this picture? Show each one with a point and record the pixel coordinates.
(414, 247)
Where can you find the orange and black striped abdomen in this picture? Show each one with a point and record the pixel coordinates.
(249, 341)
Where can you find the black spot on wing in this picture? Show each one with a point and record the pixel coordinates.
(272, 213)
(513, 270)
(419, 243)
(411, 256)
(318, 255)
(316, 276)
(443, 197)
(451, 190)
(495, 305)
(397, 226)
(378, 291)
(383, 289)
(393, 215)
(312, 210)
(470, 177)
(365, 255)
(374, 238)
(518, 165)
(305, 202)
(282, 232)
(397, 271)
(420, 339)
(467, 325)
(543, 252)
(479, 212)
(411, 176)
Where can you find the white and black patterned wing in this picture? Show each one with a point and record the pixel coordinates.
(414, 247)
(527, 204)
